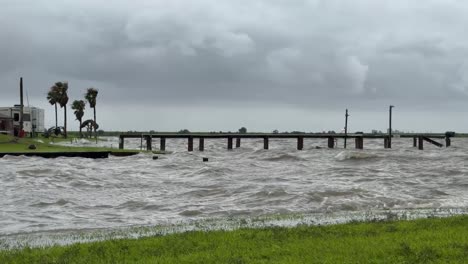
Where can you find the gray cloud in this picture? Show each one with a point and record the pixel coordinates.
(316, 54)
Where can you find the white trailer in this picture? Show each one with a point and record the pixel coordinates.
(33, 117)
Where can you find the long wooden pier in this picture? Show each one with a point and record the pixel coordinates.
(418, 139)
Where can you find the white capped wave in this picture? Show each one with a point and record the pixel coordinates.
(354, 155)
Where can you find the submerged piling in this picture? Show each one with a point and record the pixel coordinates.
(190, 144)
(201, 144)
(162, 144)
(149, 143)
(359, 142)
(300, 143)
(229, 143)
(331, 142)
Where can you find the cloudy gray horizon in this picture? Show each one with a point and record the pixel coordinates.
(211, 65)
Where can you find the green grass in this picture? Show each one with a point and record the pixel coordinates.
(8, 145)
(435, 240)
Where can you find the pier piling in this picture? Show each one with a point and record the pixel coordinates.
(331, 142)
(265, 143)
(149, 143)
(420, 143)
(201, 144)
(300, 143)
(238, 142)
(386, 142)
(415, 142)
(162, 144)
(229, 144)
(190, 144)
(359, 142)
(448, 142)
(121, 142)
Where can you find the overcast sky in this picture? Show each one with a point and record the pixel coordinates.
(210, 65)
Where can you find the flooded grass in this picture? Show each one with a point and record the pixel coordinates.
(9, 144)
(430, 240)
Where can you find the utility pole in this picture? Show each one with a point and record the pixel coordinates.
(390, 126)
(21, 107)
(346, 128)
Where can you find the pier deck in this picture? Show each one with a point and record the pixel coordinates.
(418, 139)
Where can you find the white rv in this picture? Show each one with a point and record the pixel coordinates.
(33, 117)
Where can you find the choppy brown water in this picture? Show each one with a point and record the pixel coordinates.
(72, 193)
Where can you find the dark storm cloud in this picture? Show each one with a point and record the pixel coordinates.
(321, 53)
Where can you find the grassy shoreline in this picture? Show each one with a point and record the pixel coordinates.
(9, 144)
(433, 240)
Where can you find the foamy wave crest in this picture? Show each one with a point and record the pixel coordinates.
(354, 155)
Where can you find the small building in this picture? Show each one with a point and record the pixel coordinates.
(6, 124)
(33, 118)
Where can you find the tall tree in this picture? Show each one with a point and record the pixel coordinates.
(90, 96)
(62, 89)
(53, 97)
(79, 106)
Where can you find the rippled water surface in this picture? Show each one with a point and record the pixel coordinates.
(72, 193)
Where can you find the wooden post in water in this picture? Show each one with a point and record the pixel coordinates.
(229, 145)
(300, 143)
(448, 142)
(238, 142)
(385, 142)
(162, 144)
(415, 142)
(190, 144)
(346, 128)
(331, 142)
(121, 142)
(265, 143)
(420, 143)
(149, 143)
(141, 142)
(201, 145)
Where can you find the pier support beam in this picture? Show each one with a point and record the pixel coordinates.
(238, 142)
(300, 143)
(448, 142)
(149, 143)
(331, 142)
(121, 142)
(201, 145)
(420, 143)
(415, 142)
(265, 143)
(229, 144)
(190, 144)
(386, 142)
(162, 144)
(359, 142)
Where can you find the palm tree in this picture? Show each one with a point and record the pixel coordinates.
(53, 97)
(79, 107)
(62, 90)
(91, 95)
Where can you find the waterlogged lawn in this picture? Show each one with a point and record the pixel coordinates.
(8, 145)
(435, 240)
